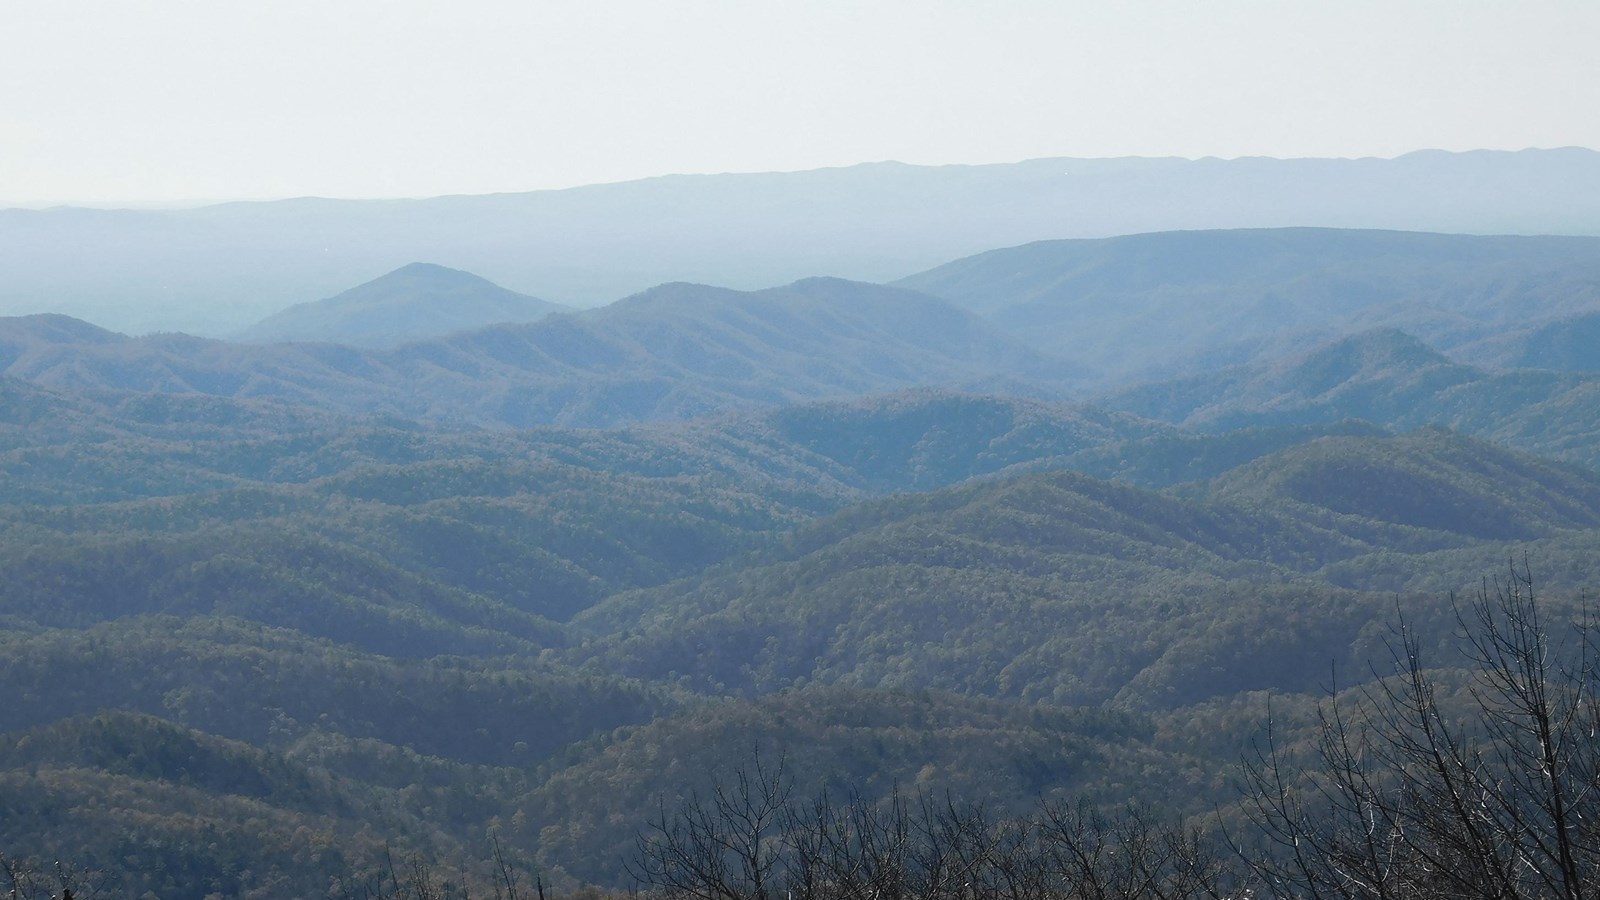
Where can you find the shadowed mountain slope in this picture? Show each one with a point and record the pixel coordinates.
(230, 670)
(1377, 375)
(310, 761)
(409, 531)
(263, 574)
(412, 303)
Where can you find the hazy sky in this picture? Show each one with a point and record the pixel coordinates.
(146, 101)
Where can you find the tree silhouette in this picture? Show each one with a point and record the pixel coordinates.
(1416, 790)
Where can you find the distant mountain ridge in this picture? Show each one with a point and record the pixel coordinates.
(1158, 305)
(676, 352)
(412, 303)
(217, 269)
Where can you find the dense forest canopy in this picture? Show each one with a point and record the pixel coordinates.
(547, 605)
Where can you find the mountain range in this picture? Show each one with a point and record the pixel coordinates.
(673, 352)
(1047, 320)
(295, 618)
(218, 269)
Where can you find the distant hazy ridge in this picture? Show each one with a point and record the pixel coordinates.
(218, 269)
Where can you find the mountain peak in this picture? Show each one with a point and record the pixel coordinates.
(427, 270)
(1381, 346)
(417, 301)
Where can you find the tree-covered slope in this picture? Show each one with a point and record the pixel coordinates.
(400, 526)
(130, 805)
(269, 575)
(917, 440)
(925, 746)
(1430, 479)
(1389, 378)
(268, 686)
(1563, 344)
(1071, 589)
(227, 620)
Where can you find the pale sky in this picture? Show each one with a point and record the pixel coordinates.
(151, 101)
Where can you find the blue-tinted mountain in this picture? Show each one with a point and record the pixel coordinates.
(1155, 305)
(1376, 375)
(1564, 344)
(1432, 478)
(927, 439)
(412, 303)
(217, 269)
(674, 352)
(1391, 379)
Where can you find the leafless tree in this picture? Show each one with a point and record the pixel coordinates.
(750, 840)
(722, 847)
(1412, 794)
(22, 879)
(1128, 856)
(1478, 781)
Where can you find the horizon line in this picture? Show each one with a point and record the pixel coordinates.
(180, 205)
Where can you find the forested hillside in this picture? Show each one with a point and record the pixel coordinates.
(1384, 376)
(310, 619)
